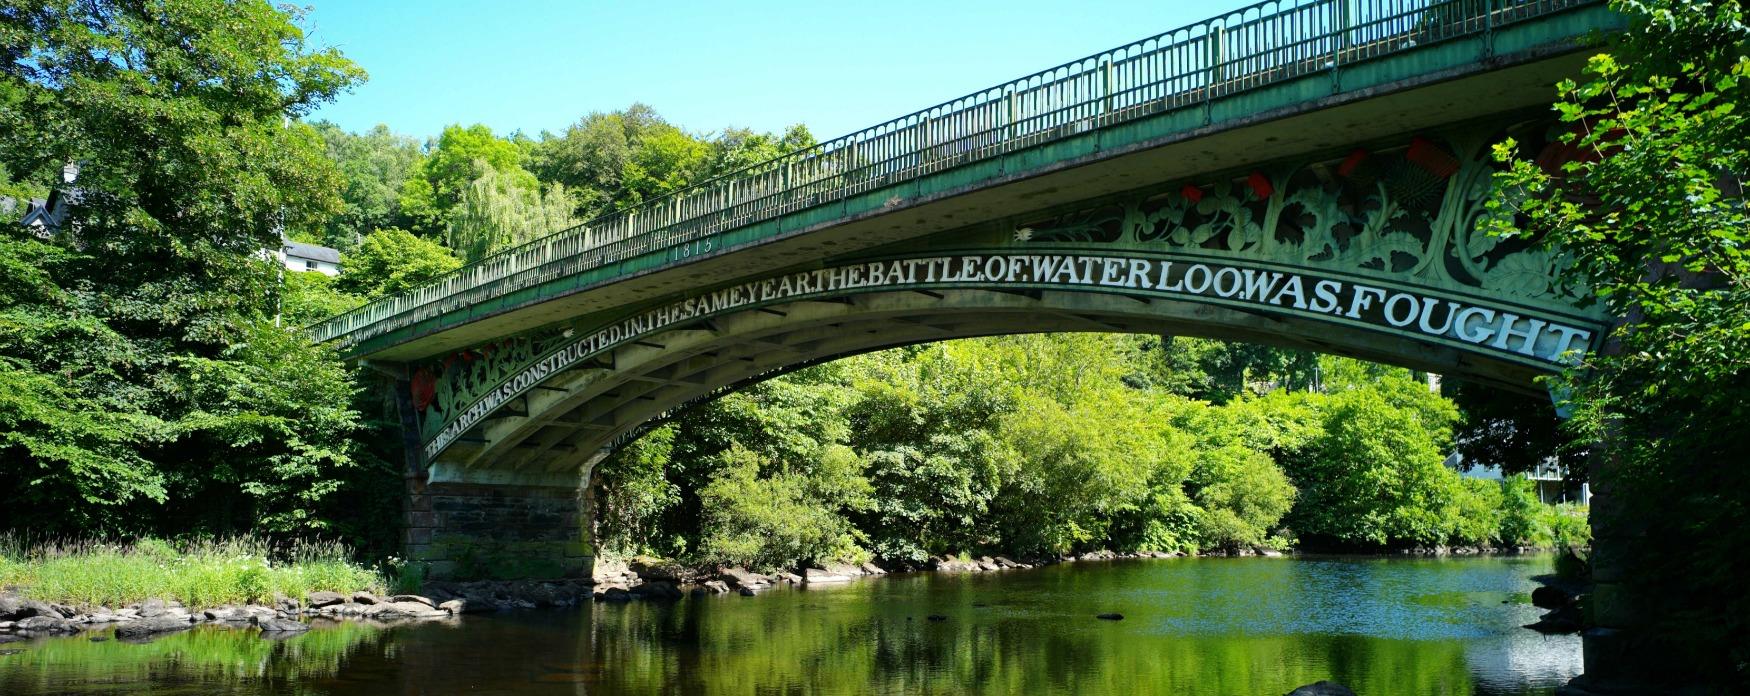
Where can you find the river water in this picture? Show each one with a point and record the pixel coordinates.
(1211, 626)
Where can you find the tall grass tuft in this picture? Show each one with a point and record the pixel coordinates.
(199, 572)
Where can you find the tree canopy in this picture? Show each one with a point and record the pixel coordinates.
(145, 370)
(1644, 187)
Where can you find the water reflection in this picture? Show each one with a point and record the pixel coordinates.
(1202, 626)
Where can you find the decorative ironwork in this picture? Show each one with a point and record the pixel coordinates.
(443, 388)
(1414, 215)
(1260, 45)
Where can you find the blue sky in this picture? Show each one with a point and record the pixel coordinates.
(835, 66)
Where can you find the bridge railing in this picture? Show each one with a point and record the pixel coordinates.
(1250, 47)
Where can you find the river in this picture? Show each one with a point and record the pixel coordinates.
(1208, 626)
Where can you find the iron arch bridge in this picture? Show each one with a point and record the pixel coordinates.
(1308, 173)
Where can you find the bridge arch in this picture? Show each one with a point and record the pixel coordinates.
(1329, 193)
(561, 401)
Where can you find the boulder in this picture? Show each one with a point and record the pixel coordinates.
(1564, 619)
(657, 569)
(256, 611)
(820, 576)
(279, 625)
(455, 606)
(318, 600)
(153, 608)
(412, 598)
(409, 610)
(224, 614)
(613, 594)
(658, 590)
(1322, 688)
(950, 564)
(365, 598)
(612, 572)
(150, 627)
(285, 604)
(742, 578)
(1546, 597)
(19, 609)
(45, 624)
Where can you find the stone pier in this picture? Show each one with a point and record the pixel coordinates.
(468, 531)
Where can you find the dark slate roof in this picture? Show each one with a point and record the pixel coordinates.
(311, 251)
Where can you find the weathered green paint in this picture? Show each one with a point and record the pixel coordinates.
(1407, 219)
(1527, 40)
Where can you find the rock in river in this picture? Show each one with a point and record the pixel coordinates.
(278, 625)
(1323, 688)
(325, 599)
(152, 626)
(45, 624)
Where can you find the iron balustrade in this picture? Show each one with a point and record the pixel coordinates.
(1245, 49)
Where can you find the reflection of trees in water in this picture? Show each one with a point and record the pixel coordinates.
(797, 644)
(1196, 626)
(204, 655)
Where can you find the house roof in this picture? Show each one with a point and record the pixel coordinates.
(311, 251)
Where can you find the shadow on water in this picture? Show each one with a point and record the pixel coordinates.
(1192, 626)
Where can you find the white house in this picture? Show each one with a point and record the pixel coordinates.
(298, 256)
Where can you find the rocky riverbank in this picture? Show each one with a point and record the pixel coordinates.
(614, 581)
(650, 578)
(22, 618)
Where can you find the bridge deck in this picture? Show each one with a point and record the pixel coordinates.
(1270, 81)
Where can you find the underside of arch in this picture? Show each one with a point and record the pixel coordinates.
(553, 432)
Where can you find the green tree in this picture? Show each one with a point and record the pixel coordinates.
(1521, 521)
(1513, 431)
(308, 297)
(784, 519)
(373, 166)
(435, 187)
(161, 322)
(739, 148)
(590, 158)
(500, 210)
(664, 159)
(1643, 188)
(390, 262)
(1374, 476)
(633, 492)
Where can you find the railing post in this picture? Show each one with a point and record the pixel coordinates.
(1488, 29)
(1216, 40)
(926, 140)
(1342, 22)
(1106, 88)
(1014, 114)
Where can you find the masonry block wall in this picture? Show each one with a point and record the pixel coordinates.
(473, 532)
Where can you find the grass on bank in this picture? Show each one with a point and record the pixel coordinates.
(199, 573)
